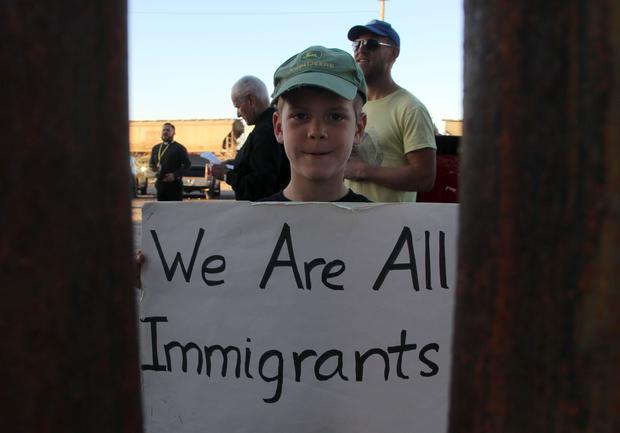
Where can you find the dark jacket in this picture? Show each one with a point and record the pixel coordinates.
(174, 159)
(261, 166)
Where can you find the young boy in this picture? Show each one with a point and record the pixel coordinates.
(319, 95)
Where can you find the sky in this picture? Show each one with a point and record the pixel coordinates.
(185, 55)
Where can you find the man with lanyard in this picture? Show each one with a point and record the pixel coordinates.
(397, 155)
(169, 161)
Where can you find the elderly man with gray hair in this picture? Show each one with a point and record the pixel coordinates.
(261, 167)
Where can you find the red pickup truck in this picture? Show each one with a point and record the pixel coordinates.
(447, 178)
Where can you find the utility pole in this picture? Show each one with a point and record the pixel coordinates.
(382, 13)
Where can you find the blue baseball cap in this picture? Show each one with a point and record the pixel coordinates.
(377, 27)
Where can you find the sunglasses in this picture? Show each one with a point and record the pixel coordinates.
(370, 44)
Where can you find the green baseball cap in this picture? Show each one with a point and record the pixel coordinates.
(328, 68)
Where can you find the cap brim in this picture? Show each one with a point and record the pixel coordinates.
(355, 31)
(329, 82)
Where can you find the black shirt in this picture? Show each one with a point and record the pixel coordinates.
(261, 166)
(169, 158)
(350, 197)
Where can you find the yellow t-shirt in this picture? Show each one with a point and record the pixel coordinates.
(397, 124)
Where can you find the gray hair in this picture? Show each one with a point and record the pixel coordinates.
(251, 85)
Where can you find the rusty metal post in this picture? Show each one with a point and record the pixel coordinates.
(69, 358)
(537, 329)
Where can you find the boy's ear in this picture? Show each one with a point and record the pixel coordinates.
(277, 126)
(360, 126)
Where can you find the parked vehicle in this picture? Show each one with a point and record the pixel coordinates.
(133, 169)
(144, 174)
(199, 178)
(446, 188)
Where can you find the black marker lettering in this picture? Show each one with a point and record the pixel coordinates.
(298, 358)
(169, 271)
(224, 351)
(427, 259)
(184, 349)
(322, 359)
(308, 267)
(156, 366)
(442, 260)
(248, 355)
(327, 273)
(405, 237)
(361, 359)
(401, 349)
(434, 367)
(207, 270)
(285, 237)
(278, 377)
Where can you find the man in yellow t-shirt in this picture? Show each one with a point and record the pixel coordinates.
(397, 156)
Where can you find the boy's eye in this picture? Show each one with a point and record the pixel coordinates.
(335, 116)
(300, 115)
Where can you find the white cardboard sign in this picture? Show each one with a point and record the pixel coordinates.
(301, 318)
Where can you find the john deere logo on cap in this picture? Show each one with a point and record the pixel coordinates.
(312, 55)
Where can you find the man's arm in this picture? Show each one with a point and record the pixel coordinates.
(185, 163)
(153, 159)
(219, 171)
(417, 175)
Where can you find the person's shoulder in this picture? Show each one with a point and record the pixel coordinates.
(268, 113)
(180, 145)
(396, 102)
(405, 97)
(263, 134)
(265, 119)
(406, 105)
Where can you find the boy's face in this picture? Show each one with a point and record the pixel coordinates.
(318, 129)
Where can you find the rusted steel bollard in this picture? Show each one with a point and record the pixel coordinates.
(537, 329)
(70, 355)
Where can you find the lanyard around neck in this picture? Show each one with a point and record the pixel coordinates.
(161, 152)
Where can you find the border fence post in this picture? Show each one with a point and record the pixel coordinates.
(70, 348)
(537, 325)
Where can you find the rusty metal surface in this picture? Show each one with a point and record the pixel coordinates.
(537, 326)
(69, 357)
